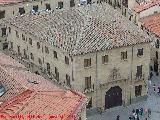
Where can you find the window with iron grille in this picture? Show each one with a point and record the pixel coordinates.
(138, 90)
(31, 55)
(23, 37)
(38, 45)
(30, 41)
(87, 62)
(60, 5)
(139, 71)
(17, 35)
(140, 52)
(55, 54)
(66, 60)
(2, 14)
(68, 79)
(46, 50)
(88, 82)
(123, 55)
(104, 59)
(39, 61)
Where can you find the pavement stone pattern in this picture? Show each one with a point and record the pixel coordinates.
(153, 102)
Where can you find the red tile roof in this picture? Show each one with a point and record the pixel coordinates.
(146, 5)
(152, 23)
(3, 2)
(44, 99)
(43, 103)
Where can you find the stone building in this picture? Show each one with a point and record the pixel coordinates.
(91, 48)
(150, 25)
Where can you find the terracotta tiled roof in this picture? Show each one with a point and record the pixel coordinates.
(152, 23)
(82, 30)
(23, 98)
(15, 77)
(10, 1)
(44, 104)
(145, 5)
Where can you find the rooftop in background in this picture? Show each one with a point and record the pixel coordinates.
(145, 5)
(23, 98)
(152, 23)
(82, 30)
(4, 2)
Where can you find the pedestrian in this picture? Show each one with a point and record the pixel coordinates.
(137, 111)
(146, 119)
(149, 112)
(141, 111)
(151, 74)
(118, 117)
(154, 88)
(158, 89)
(137, 117)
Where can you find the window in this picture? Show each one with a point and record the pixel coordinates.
(123, 55)
(157, 44)
(48, 7)
(138, 90)
(3, 32)
(39, 61)
(87, 62)
(66, 60)
(139, 72)
(72, 3)
(2, 14)
(9, 30)
(23, 37)
(60, 5)
(48, 67)
(38, 45)
(104, 59)
(32, 57)
(88, 82)
(46, 50)
(156, 55)
(17, 35)
(21, 10)
(68, 79)
(35, 8)
(55, 54)
(18, 49)
(57, 74)
(140, 52)
(30, 41)
(89, 1)
(11, 43)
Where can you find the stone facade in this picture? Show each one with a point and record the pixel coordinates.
(102, 75)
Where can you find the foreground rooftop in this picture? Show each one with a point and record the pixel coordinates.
(81, 30)
(19, 97)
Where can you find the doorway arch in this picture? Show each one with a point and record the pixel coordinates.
(113, 97)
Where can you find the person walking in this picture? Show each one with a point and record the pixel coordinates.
(118, 117)
(154, 88)
(149, 112)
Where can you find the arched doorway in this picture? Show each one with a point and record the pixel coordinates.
(113, 97)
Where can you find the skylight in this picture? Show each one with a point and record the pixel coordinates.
(2, 90)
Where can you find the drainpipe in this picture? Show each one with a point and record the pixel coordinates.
(131, 76)
(96, 84)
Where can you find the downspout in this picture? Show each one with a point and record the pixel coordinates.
(131, 75)
(96, 84)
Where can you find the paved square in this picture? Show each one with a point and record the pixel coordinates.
(153, 102)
